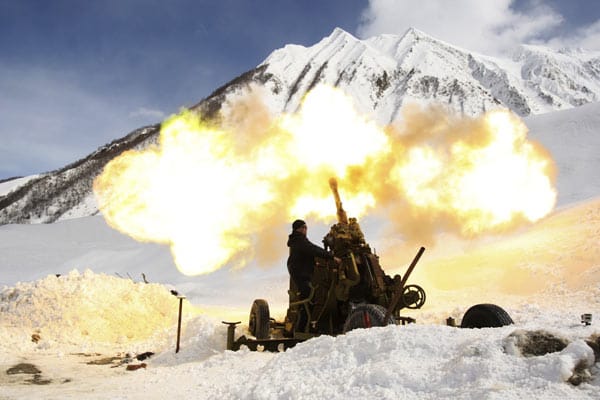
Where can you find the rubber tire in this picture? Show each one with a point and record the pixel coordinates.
(260, 319)
(358, 317)
(486, 316)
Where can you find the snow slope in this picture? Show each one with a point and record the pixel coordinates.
(573, 139)
(12, 184)
(92, 325)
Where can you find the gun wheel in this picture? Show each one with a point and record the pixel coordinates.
(260, 319)
(367, 316)
(485, 316)
(413, 297)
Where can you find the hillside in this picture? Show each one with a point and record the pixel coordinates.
(382, 74)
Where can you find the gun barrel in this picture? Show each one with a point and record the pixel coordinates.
(341, 214)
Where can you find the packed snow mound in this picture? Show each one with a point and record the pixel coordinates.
(414, 361)
(87, 308)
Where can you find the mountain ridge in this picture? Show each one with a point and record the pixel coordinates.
(381, 73)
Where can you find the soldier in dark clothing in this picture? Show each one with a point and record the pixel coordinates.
(301, 262)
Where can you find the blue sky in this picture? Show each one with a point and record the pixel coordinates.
(77, 74)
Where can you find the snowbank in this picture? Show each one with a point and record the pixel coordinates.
(87, 310)
(108, 315)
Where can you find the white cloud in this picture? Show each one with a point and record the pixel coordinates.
(489, 27)
(146, 113)
(587, 37)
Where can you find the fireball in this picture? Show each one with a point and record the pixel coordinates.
(216, 194)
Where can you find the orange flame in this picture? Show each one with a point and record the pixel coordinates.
(216, 195)
(487, 183)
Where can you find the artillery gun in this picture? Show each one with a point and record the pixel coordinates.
(356, 293)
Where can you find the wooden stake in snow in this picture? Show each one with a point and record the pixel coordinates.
(180, 297)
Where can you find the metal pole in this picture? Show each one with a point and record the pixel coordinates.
(412, 266)
(179, 322)
(231, 334)
(398, 289)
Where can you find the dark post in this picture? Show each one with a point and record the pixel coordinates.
(231, 334)
(179, 322)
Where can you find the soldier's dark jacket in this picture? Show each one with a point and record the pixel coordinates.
(301, 262)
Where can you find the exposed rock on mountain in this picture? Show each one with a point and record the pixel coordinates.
(381, 73)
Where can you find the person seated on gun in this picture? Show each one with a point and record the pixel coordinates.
(301, 262)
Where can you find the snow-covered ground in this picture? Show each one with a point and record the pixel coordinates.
(75, 311)
(91, 325)
(573, 139)
(10, 185)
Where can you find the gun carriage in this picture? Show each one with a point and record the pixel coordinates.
(357, 293)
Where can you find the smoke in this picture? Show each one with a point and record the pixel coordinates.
(219, 193)
(465, 176)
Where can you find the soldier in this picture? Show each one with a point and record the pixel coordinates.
(301, 262)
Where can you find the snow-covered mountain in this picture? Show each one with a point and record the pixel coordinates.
(381, 73)
(385, 71)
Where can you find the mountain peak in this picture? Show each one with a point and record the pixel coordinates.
(338, 34)
(415, 33)
(338, 31)
(413, 36)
